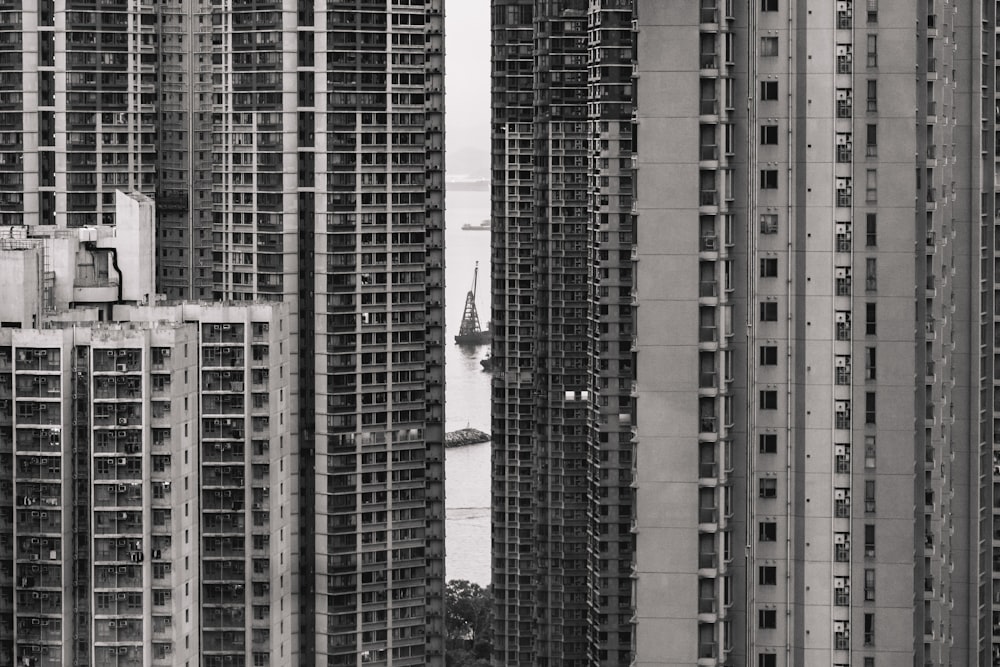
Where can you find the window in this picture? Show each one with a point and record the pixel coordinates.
(869, 629)
(768, 179)
(869, 451)
(768, 91)
(767, 619)
(768, 355)
(768, 531)
(869, 319)
(871, 140)
(870, 363)
(769, 223)
(871, 186)
(768, 135)
(767, 575)
(768, 5)
(873, 11)
(871, 274)
(872, 50)
(767, 660)
(768, 399)
(869, 585)
(768, 47)
(768, 443)
(768, 311)
(871, 229)
(768, 487)
(769, 267)
(870, 407)
(872, 97)
(869, 540)
(869, 496)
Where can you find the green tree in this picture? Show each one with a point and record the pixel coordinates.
(468, 624)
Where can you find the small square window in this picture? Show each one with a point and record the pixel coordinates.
(873, 11)
(768, 179)
(869, 540)
(768, 5)
(767, 575)
(869, 629)
(769, 267)
(768, 443)
(873, 50)
(871, 229)
(768, 47)
(768, 399)
(768, 91)
(767, 619)
(768, 355)
(768, 311)
(769, 135)
(768, 487)
(768, 531)
(870, 319)
(767, 660)
(769, 223)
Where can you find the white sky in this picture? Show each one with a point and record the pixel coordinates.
(467, 84)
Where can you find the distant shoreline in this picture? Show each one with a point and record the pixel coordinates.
(482, 184)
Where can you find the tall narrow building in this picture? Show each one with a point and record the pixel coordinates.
(562, 322)
(294, 153)
(328, 178)
(814, 279)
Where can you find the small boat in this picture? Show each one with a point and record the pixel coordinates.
(483, 226)
(470, 332)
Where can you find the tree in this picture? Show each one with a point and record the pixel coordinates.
(468, 624)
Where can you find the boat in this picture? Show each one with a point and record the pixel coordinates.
(487, 364)
(483, 226)
(470, 332)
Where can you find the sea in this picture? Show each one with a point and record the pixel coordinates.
(467, 392)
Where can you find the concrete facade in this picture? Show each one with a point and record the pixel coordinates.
(806, 273)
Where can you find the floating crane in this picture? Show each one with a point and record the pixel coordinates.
(470, 332)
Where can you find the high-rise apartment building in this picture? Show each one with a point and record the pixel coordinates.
(328, 177)
(815, 249)
(147, 462)
(106, 96)
(813, 297)
(562, 327)
(294, 152)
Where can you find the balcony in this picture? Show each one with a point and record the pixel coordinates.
(708, 107)
(708, 153)
(708, 198)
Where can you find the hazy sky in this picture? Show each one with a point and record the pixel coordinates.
(467, 84)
